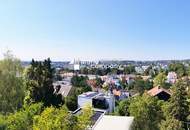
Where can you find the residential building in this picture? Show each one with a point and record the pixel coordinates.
(113, 123)
(160, 92)
(172, 77)
(63, 87)
(99, 101)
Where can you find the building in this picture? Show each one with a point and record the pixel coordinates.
(120, 94)
(160, 92)
(99, 101)
(113, 123)
(172, 77)
(63, 87)
(100, 121)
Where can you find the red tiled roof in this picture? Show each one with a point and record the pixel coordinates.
(116, 93)
(156, 90)
(92, 83)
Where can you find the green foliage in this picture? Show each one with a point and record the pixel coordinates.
(146, 111)
(160, 80)
(139, 86)
(179, 68)
(39, 83)
(81, 82)
(147, 71)
(178, 105)
(71, 102)
(129, 69)
(11, 84)
(52, 119)
(3, 122)
(176, 110)
(23, 119)
(99, 82)
(84, 119)
(59, 119)
(171, 124)
(122, 109)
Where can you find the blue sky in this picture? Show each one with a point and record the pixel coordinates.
(95, 29)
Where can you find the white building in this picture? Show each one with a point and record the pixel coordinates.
(113, 123)
(65, 87)
(172, 77)
(97, 101)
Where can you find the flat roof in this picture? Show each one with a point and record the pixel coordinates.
(89, 94)
(114, 123)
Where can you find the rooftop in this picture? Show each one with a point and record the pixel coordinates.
(89, 94)
(114, 123)
(156, 90)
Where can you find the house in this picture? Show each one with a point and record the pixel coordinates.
(172, 77)
(120, 94)
(63, 87)
(93, 84)
(113, 123)
(139, 70)
(99, 101)
(161, 93)
(100, 121)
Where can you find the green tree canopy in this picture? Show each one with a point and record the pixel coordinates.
(171, 124)
(59, 119)
(39, 83)
(23, 119)
(52, 119)
(178, 105)
(11, 84)
(81, 82)
(122, 109)
(160, 80)
(179, 68)
(146, 111)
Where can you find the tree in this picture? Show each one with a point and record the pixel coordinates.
(147, 71)
(84, 119)
(160, 80)
(71, 102)
(178, 105)
(3, 122)
(23, 119)
(84, 70)
(179, 68)
(11, 84)
(52, 119)
(139, 86)
(81, 82)
(171, 124)
(130, 69)
(146, 111)
(39, 83)
(59, 119)
(176, 111)
(99, 82)
(122, 109)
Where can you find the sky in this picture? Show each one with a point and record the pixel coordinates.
(95, 29)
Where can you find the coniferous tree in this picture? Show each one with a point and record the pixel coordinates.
(178, 105)
(176, 110)
(39, 82)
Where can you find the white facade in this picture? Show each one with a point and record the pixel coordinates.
(86, 99)
(76, 67)
(172, 77)
(114, 123)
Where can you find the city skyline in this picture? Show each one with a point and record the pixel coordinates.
(95, 30)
